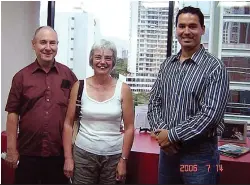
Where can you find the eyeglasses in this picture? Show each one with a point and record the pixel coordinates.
(101, 57)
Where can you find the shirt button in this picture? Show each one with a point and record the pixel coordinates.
(48, 87)
(47, 99)
(47, 112)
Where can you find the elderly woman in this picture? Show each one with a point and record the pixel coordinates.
(101, 150)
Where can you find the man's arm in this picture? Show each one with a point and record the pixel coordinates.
(155, 102)
(11, 129)
(13, 109)
(213, 105)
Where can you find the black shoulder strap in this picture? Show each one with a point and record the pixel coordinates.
(80, 89)
(79, 97)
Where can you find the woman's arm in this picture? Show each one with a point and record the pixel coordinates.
(128, 119)
(68, 123)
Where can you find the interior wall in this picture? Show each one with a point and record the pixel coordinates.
(19, 20)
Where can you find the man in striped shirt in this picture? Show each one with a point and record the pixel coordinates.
(186, 106)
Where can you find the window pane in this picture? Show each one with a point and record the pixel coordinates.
(43, 13)
(236, 33)
(239, 103)
(237, 10)
(236, 57)
(238, 68)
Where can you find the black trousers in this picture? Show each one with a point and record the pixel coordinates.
(40, 170)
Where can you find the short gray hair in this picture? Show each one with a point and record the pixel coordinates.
(103, 44)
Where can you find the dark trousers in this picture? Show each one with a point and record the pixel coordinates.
(196, 163)
(40, 170)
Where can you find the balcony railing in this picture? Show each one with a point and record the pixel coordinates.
(235, 46)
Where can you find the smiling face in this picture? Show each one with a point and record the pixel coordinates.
(189, 31)
(102, 61)
(45, 45)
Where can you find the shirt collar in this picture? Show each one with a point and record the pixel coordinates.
(196, 57)
(36, 66)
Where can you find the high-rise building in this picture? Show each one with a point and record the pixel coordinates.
(124, 53)
(77, 31)
(148, 43)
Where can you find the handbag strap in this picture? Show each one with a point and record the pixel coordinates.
(79, 98)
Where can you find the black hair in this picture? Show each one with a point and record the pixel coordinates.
(192, 10)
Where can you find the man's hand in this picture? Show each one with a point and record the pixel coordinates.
(165, 144)
(152, 134)
(171, 149)
(68, 167)
(162, 137)
(12, 158)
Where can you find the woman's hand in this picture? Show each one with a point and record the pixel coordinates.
(68, 167)
(121, 170)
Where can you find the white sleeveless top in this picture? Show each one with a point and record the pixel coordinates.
(99, 131)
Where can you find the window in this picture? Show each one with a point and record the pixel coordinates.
(235, 55)
(239, 103)
(146, 40)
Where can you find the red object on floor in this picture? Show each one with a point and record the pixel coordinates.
(7, 173)
(143, 160)
(143, 163)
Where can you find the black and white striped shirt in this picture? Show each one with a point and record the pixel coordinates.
(189, 99)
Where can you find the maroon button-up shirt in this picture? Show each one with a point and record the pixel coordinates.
(40, 99)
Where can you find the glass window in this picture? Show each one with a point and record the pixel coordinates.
(238, 68)
(43, 13)
(245, 10)
(146, 45)
(236, 57)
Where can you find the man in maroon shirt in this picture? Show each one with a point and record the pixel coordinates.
(37, 104)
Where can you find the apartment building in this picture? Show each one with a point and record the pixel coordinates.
(148, 43)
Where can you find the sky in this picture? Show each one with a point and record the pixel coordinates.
(113, 15)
